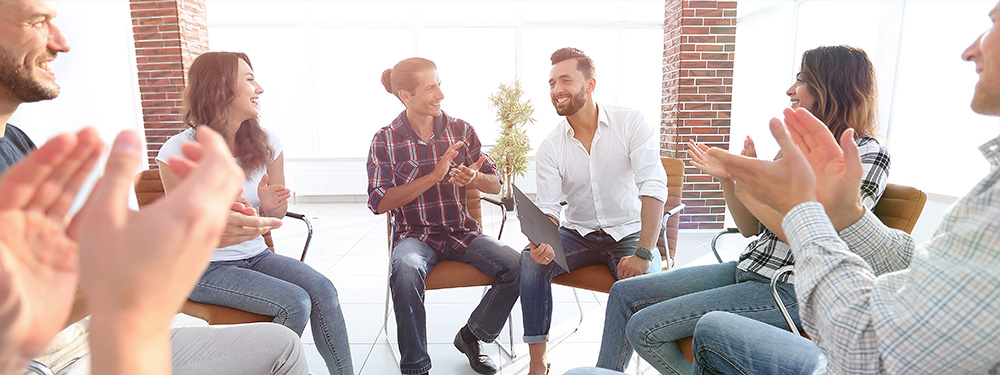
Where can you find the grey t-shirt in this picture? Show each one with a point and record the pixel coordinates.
(14, 145)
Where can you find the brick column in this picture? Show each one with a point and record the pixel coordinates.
(699, 40)
(168, 34)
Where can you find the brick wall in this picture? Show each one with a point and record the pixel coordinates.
(699, 40)
(168, 36)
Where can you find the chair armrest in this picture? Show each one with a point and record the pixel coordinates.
(674, 211)
(35, 367)
(503, 212)
(777, 299)
(716, 238)
(491, 200)
(309, 231)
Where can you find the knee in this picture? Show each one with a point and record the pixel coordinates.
(531, 271)
(407, 270)
(623, 295)
(510, 268)
(322, 289)
(710, 325)
(296, 307)
(639, 326)
(300, 301)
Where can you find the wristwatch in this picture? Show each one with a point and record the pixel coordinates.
(643, 253)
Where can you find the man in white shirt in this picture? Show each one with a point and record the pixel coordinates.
(605, 162)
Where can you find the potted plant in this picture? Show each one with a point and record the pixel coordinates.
(511, 150)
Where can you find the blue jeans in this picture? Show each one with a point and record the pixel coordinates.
(413, 259)
(592, 371)
(536, 279)
(727, 343)
(287, 289)
(654, 311)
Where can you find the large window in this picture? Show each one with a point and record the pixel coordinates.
(320, 62)
(925, 88)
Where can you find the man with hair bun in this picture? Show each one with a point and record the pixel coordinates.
(419, 167)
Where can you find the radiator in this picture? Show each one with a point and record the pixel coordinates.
(331, 183)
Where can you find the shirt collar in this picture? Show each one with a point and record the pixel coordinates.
(991, 151)
(402, 125)
(602, 119)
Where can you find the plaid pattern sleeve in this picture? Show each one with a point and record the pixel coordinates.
(379, 169)
(766, 254)
(939, 316)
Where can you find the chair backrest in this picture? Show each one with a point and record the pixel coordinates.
(148, 187)
(900, 207)
(474, 204)
(675, 180)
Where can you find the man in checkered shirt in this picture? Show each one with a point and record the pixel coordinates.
(936, 316)
(419, 168)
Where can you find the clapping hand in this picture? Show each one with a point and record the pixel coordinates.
(38, 260)
(781, 184)
(462, 175)
(137, 268)
(837, 168)
(272, 197)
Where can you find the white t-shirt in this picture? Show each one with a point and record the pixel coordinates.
(247, 249)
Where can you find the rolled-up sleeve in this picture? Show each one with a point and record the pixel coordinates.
(650, 177)
(475, 148)
(379, 171)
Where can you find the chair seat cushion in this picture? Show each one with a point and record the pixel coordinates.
(450, 274)
(214, 314)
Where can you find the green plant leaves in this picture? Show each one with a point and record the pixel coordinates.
(511, 150)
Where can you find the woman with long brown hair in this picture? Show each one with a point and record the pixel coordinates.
(652, 312)
(222, 94)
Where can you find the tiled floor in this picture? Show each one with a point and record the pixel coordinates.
(349, 246)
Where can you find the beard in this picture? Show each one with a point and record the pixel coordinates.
(986, 100)
(17, 80)
(573, 105)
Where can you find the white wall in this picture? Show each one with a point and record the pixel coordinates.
(924, 86)
(97, 77)
(320, 65)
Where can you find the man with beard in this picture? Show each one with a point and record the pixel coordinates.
(604, 160)
(39, 250)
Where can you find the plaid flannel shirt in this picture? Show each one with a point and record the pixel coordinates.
(438, 216)
(938, 316)
(767, 253)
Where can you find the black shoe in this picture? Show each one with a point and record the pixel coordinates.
(468, 344)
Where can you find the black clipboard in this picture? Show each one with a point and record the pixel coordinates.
(538, 227)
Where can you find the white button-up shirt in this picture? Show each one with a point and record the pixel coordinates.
(602, 188)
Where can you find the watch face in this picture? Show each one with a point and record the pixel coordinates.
(644, 253)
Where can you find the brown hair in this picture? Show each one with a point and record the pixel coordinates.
(842, 80)
(583, 62)
(210, 90)
(403, 76)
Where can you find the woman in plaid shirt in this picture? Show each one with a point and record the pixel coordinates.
(838, 84)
